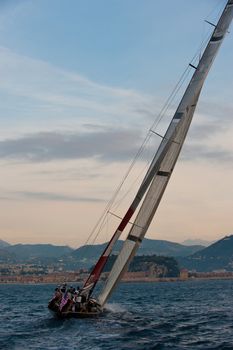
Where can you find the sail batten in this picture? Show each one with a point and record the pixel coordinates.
(161, 168)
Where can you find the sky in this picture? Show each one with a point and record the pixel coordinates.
(81, 83)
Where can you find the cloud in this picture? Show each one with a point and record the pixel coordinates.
(48, 196)
(107, 145)
(69, 174)
(217, 112)
(57, 197)
(207, 153)
(205, 131)
(49, 92)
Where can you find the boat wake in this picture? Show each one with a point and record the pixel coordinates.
(114, 308)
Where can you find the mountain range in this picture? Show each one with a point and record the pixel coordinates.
(87, 255)
(218, 255)
(32, 253)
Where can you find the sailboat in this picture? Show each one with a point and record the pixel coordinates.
(150, 192)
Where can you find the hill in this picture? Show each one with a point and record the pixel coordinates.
(197, 242)
(4, 244)
(162, 266)
(6, 257)
(22, 253)
(217, 256)
(166, 248)
(87, 256)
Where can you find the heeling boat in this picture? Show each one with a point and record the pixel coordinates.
(151, 190)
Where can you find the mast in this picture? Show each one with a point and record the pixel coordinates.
(165, 159)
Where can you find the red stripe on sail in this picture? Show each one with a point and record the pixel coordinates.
(126, 219)
(119, 230)
(95, 274)
(100, 264)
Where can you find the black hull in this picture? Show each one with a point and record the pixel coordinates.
(73, 314)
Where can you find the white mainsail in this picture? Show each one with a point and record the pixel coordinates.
(165, 159)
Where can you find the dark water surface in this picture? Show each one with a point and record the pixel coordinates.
(176, 315)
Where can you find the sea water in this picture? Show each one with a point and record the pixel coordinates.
(168, 315)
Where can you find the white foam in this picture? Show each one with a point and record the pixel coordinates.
(114, 307)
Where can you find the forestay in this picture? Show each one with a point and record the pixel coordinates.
(165, 159)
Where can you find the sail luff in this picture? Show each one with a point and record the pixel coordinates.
(174, 139)
(98, 268)
(153, 169)
(149, 206)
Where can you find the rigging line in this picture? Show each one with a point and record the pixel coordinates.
(148, 136)
(117, 204)
(163, 111)
(210, 22)
(102, 225)
(202, 46)
(119, 217)
(179, 84)
(106, 229)
(143, 170)
(215, 9)
(102, 220)
(162, 137)
(110, 203)
(170, 99)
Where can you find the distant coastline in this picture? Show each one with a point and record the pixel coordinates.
(128, 278)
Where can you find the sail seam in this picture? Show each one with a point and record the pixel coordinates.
(134, 238)
(215, 39)
(163, 173)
